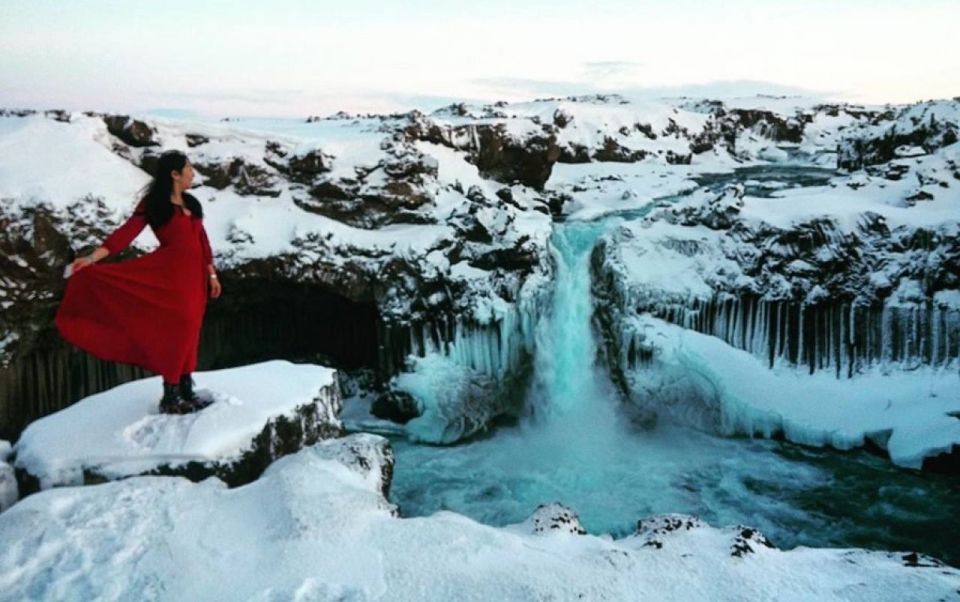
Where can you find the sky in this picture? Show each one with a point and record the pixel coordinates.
(296, 58)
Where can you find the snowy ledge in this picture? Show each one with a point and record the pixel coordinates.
(316, 525)
(260, 412)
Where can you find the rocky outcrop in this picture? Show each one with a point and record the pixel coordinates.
(248, 427)
(498, 153)
(924, 127)
(131, 131)
(656, 531)
(553, 518)
(247, 179)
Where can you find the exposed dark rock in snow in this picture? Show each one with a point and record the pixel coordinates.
(131, 131)
(658, 530)
(553, 518)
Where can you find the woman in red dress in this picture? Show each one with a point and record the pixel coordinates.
(148, 311)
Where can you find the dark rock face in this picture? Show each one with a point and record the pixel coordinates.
(363, 204)
(302, 168)
(945, 463)
(397, 406)
(196, 139)
(561, 118)
(247, 179)
(131, 131)
(497, 154)
(506, 160)
(613, 151)
(396, 203)
(678, 159)
(771, 125)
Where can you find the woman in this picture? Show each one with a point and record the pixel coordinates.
(148, 311)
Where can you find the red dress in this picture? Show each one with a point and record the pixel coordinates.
(146, 311)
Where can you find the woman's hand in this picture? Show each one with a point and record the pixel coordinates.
(214, 287)
(81, 262)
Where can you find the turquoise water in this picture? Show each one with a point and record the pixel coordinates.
(573, 446)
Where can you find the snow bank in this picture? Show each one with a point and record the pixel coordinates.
(313, 528)
(259, 412)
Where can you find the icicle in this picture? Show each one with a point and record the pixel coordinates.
(785, 340)
(776, 340)
(815, 365)
(800, 351)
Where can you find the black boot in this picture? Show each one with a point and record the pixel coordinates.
(172, 403)
(186, 389)
(190, 396)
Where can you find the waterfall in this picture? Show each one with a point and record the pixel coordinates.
(571, 400)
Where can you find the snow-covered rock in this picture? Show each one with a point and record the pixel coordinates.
(314, 528)
(551, 518)
(901, 132)
(260, 412)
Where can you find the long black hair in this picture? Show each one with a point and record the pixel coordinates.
(155, 197)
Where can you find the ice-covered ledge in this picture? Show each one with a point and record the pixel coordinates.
(698, 379)
(260, 412)
(316, 525)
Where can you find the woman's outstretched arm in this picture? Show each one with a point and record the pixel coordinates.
(117, 241)
(124, 235)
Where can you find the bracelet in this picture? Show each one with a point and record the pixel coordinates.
(213, 277)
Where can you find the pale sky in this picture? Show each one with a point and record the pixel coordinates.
(296, 58)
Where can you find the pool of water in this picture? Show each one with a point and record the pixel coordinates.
(796, 496)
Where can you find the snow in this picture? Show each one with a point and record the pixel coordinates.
(119, 432)
(660, 256)
(908, 413)
(77, 162)
(602, 188)
(315, 527)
